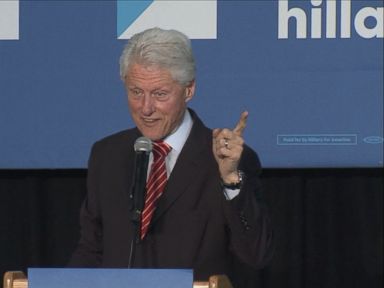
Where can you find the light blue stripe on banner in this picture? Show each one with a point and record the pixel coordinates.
(128, 11)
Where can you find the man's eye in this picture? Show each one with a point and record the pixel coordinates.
(160, 95)
(136, 92)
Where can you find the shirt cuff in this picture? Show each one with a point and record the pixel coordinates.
(230, 194)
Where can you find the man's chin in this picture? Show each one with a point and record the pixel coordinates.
(151, 136)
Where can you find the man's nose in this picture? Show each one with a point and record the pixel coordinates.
(148, 105)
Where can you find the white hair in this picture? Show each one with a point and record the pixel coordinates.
(167, 49)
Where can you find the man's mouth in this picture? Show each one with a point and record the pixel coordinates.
(149, 120)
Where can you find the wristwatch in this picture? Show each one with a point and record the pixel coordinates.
(235, 185)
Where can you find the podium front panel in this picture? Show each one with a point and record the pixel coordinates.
(109, 278)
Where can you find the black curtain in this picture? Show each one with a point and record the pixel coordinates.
(328, 224)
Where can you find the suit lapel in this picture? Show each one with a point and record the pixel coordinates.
(192, 155)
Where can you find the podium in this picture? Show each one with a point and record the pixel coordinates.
(17, 279)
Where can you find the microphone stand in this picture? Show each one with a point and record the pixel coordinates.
(138, 192)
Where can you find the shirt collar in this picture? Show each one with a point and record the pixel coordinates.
(177, 139)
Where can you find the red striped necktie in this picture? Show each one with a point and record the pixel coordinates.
(156, 182)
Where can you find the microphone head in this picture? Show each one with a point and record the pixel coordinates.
(143, 144)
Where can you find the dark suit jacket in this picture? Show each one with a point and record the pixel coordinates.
(194, 226)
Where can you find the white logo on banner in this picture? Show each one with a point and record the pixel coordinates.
(332, 13)
(9, 19)
(197, 19)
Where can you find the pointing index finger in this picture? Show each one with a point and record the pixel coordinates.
(241, 124)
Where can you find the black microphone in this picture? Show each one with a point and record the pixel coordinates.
(143, 147)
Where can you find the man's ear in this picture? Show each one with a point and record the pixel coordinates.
(190, 91)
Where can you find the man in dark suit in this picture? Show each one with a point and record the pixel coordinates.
(210, 213)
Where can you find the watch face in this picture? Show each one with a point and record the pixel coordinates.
(241, 176)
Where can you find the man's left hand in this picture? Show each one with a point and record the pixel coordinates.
(227, 149)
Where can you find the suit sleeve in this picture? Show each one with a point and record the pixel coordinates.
(247, 217)
(89, 250)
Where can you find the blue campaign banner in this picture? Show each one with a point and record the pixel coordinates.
(309, 72)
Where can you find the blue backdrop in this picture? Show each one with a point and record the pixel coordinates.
(313, 102)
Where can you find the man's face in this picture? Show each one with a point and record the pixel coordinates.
(157, 102)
